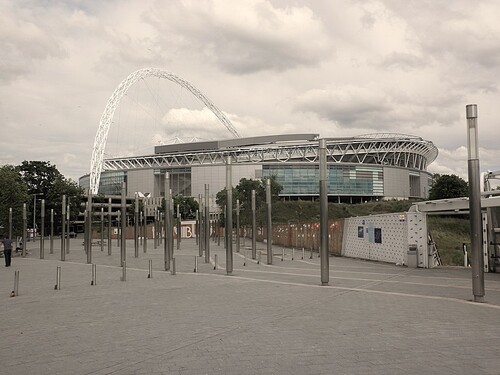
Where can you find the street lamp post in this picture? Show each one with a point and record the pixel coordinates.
(34, 213)
(477, 262)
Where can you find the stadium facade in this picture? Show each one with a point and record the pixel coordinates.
(361, 168)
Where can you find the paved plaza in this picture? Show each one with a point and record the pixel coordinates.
(373, 318)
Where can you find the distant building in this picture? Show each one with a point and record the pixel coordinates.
(367, 167)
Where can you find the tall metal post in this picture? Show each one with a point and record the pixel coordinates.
(34, 217)
(201, 226)
(254, 228)
(269, 223)
(42, 230)
(23, 253)
(51, 231)
(155, 229)
(229, 217)
(197, 227)
(323, 208)
(102, 228)
(145, 231)
(118, 227)
(477, 261)
(68, 216)
(207, 225)
(10, 223)
(63, 228)
(136, 226)
(179, 234)
(168, 225)
(237, 225)
(123, 241)
(109, 226)
(89, 226)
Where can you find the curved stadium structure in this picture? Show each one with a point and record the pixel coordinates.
(367, 167)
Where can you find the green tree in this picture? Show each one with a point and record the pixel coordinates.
(448, 186)
(13, 193)
(187, 206)
(44, 181)
(243, 192)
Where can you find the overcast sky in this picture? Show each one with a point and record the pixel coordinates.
(337, 68)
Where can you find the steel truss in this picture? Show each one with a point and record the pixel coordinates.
(400, 150)
(96, 163)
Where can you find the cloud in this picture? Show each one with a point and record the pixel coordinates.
(244, 37)
(25, 39)
(348, 106)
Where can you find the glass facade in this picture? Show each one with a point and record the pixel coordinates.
(303, 180)
(180, 180)
(110, 182)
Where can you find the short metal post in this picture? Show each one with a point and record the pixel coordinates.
(260, 257)
(58, 278)
(466, 255)
(150, 274)
(215, 261)
(303, 253)
(94, 275)
(195, 264)
(282, 254)
(124, 271)
(245, 258)
(311, 253)
(172, 271)
(15, 292)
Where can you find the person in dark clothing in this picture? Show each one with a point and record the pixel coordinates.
(7, 250)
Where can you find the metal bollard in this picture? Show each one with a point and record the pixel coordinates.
(215, 266)
(15, 292)
(94, 275)
(150, 274)
(259, 257)
(124, 271)
(244, 258)
(311, 253)
(303, 253)
(195, 264)
(172, 269)
(293, 253)
(282, 254)
(58, 279)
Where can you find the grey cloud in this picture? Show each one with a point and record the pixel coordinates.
(260, 38)
(404, 61)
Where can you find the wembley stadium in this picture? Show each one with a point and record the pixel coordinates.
(361, 168)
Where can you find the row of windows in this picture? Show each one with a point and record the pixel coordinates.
(341, 180)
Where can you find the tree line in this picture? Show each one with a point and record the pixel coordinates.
(29, 183)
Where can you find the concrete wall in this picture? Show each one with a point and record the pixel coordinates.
(396, 183)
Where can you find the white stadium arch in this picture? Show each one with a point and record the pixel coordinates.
(96, 162)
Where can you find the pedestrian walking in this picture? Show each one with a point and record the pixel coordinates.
(7, 250)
